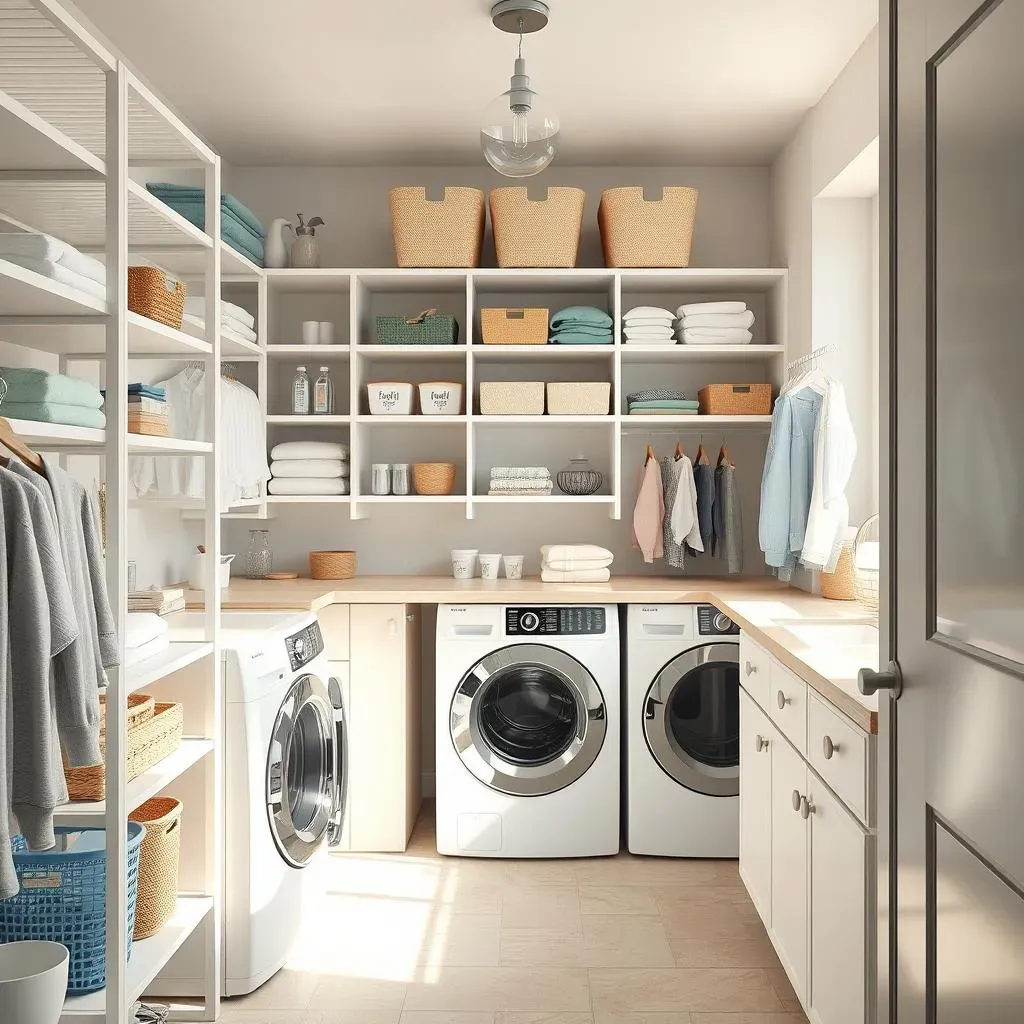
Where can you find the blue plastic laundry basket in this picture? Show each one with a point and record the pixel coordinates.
(63, 899)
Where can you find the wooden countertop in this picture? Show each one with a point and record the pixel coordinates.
(760, 606)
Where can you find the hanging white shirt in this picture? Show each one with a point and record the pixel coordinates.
(684, 521)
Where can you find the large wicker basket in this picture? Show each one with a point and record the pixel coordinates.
(332, 565)
(838, 585)
(158, 864)
(511, 398)
(636, 232)
(536, 233)
(501, 326)
(735, 399)
(154, 294)
(447, 232)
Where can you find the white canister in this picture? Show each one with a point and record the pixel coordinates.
(400, 478)
(464, 563)
(326, 332)
(197, 577)
(33, 980)
(489, 565)
(380, 478)
(389, 398)
(513, 567)
(310, 332)
(441, 398)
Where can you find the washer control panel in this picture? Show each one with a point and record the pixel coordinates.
(304, 646)
(712, 622)
(571, 621)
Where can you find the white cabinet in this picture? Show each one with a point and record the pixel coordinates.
(756, 805)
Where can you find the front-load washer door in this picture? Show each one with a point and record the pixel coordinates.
(528, 720)
(302, 766)
(691, 716)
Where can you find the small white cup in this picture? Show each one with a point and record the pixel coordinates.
(326, 332)
(513, 567)
(464, 563)
(310, 332)
(380, 478)
(489, 565)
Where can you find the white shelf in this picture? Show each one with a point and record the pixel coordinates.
(543, 499)
(176, 657)
(191, 262)
(418, 419)
(149, 957)
(413, 280)
(321, 279)
(308, 499)
(142, 444)
(327, 351)
(376, 351)
(519, 353)
(639, 424)
(308, 421)
(26, 293)
(232, 346)
(31, 144)
(702, 353)
(60, 435)
(701, 279)
(550, 280)
(539, 421)
(410, 499)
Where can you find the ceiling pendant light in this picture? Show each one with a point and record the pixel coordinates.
(519, 137)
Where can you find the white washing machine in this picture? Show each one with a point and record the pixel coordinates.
(682, 731)
(528, 749)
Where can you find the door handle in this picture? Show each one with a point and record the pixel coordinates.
(796, 799)
(782, 700)
(760, 743)
(750, 668)
(649, 709)
(890, 678)
(828, 748)
(806, 808)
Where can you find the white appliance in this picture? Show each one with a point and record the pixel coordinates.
(682, 731)
(528, 746)
(284, 782)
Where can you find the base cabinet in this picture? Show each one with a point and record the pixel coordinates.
(756, 805)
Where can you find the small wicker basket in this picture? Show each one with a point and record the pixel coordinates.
(735, 400)
(636, 232)
(433, 477)
(536, 233)
(158, 864)
(512, 398)
(156, 295)
(582, 398)
(501, 326)
(838, 585)
(332, 565)
(866, 572)
(426, 328)
(448, 232)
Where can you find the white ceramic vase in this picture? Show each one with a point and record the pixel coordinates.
(275, 248)
(33, 981)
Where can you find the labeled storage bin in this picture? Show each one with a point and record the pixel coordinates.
(636, 232)
(735, 399)
(512, 397)
(426, 328)
(441, 398)
(389, 398)
(158, 864)
(570, 398)
(536, 233)
(332, 565)
(504, 326)
(155, 294)
(433, 477)
(447, 232)
(63, 899)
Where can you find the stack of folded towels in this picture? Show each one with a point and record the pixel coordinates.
(235, 319)
(51, 398)
(147, 410)
(56, 260)
(581, 325)
(715, 323)
(158, 600)
(575, 563)
(512, 480)
(239, 226)
(145, 635)
(648, 325)
(661, 402)
(309, 467)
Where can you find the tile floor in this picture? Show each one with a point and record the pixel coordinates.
(422, 939)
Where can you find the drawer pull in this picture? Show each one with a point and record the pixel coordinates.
(760, 743)
(750, 668)
(806, 808)
(796, 799)
(829, 748)
(783, 700)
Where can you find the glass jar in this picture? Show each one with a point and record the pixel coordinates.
(579, 478)
(258, 559)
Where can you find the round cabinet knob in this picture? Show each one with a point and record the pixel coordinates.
(783, 700)
(529, 621)
(760, 743)
(722, 622)
(806, 808)
(828, 748)
(796, 800)
(750, 668)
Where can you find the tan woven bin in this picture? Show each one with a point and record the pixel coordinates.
(158, 864)
(512, 398)
(838, 585)
(503, 326)
(435, 478)
(735, 400)
(332, 565)
(447, 232)
(536, 233)
(639, 233)
(579, 398)
(154, 294)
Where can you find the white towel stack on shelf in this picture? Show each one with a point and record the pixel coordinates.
(648, 325)
(56, 260)
(575, 563)
(507, 481)
(234, 319)
(309, 467)
(715, 323)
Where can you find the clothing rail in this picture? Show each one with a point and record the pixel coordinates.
(809, 360)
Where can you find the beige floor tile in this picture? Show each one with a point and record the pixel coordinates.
(618, 899)
(541, 872)
(729, 951)
(784, 990)
(230, 1016)
(712, 915)
(605, 941)
(541, 906)
(447, 1017)
(748, 1018)
(639, 991)
(626, 869)
(666, 1017)
(337, 990)
(513, 1017)
(500, 988)
(462, 940)
(289, 989)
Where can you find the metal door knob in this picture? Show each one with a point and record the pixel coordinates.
(890, 678)
(760, 743)
(783, 700)
(828, 748)
(806, 808)
(796, 799)
(750, 668)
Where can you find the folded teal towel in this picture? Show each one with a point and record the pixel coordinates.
(580, 338)
(169, 193)
(28, 385)
(580, 328)
(573, 315)
(666, 403)
(54, 412)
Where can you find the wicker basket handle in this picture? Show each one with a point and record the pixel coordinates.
(422, 315)
(741, 389)
(170, 828)
(515, 314)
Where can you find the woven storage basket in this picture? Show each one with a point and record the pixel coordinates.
(735, 399)
(154, 294)
(536, 233)
(640, 233)
(426, 328)
(433, 477)
(158, 864)
(590, 398)
(448, 232)
(838, 585)
(512, 398)
(865, 570)
(502, 326)
(332, 565)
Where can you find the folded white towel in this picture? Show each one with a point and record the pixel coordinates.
(151, 648)
(307, 485)
(61, 274)
(141, 627)
(715, 336)
(581, 576)
(695, 308)
(500, 472)
(646, 321)
(745, 319)
(47, 249)
(642, 333)
(326, 469)
(196, 305)
(669, 340)
(198, 325)
(561, 552)
(510, 492)
(578, 564)
(309, 450)
(646, 312)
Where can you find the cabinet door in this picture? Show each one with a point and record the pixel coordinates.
(757, 737)
(842, 944)
(790, 849)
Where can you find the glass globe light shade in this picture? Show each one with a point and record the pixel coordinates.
(519, 138)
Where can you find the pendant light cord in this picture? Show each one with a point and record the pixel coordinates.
(520, 38)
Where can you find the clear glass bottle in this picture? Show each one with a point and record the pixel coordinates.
(258, 559)
(323, 393)
(300, 393)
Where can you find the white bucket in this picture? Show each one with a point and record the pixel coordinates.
(33, 980)
(197, 575)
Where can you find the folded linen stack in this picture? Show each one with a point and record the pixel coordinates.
(233, 318)
(581, 325)
(715, 323)
(661, 402)
(239, 226)
(158, 600)
(147, 410)
(145, 634)
(648, 325)
(309, 467)
(507, 481)
(51, 398)
(56, 260)
(575, 563)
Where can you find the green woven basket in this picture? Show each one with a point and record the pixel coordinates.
(427, 328)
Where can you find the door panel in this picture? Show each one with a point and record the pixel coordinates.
(757, 737)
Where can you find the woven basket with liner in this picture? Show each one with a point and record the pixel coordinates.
(735, 399)
(426, 328)
(501, 326)
(536, 233)
(156, 295)
(332, 565)
(446, 232)
(158, 864)
(636, 232)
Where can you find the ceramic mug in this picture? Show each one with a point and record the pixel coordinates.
(489, 565)
(513, 567)
(310, 332)
(464, 563)
(380, 478)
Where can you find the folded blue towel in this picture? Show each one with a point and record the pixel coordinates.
(32, 386)
(191, 193)
(570, 337)
(573, 315)
(236, 233)
(147, 390)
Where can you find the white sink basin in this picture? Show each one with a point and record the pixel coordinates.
(834, 634)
